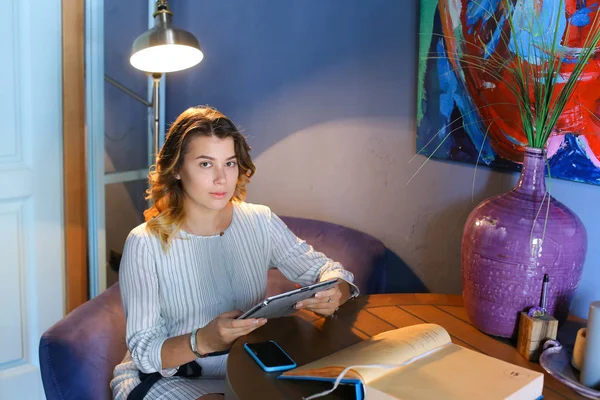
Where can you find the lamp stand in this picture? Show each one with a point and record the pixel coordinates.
(156, 106)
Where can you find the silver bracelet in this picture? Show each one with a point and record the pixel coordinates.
(193, 343)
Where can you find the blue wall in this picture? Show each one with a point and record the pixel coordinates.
(255, 49)
(583, 199)
(278, 68)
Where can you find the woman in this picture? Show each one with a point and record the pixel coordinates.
(201, 257)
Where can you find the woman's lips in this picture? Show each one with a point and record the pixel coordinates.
(218, 195)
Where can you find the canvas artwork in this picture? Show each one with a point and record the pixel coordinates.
(468, 117)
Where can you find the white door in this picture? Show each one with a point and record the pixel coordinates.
(31, 223)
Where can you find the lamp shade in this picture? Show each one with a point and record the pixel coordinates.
(165, 48)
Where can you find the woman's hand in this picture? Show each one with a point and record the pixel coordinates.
(221, 332)
(328, 301)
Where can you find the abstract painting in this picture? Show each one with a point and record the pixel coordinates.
(464, 116)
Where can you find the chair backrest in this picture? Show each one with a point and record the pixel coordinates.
(358, 252)
(78, 354)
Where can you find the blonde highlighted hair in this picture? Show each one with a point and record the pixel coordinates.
(166, 215)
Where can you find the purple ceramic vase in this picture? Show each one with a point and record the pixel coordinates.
(509, 242)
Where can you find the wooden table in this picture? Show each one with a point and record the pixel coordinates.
(307, 337)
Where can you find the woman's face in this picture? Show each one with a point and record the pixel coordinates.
(209, 172)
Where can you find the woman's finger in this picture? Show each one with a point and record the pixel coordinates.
(323, 308)
(327, 293)
(320, 308)
(235, 333)
(243, 323)
(312, 301)
(231, 314)
(335, 298)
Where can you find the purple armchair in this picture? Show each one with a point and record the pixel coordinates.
(78, 353)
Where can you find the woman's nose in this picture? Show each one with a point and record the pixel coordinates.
(220, 176)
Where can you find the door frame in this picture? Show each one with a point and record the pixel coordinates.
(83, 145)
(94, 112)
(83, 142)
(93, 148)
(74, 154)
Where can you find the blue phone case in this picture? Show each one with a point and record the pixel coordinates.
(358, 386)
(270, 369)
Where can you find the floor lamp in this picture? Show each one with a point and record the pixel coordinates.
(159, 50)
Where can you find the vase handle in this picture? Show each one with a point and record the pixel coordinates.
(548, 344)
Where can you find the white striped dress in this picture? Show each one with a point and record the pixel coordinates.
(168, 294)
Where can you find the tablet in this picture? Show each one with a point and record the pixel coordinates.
(283, 304)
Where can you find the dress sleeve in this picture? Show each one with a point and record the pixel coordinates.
(146, 329)
(299, 262)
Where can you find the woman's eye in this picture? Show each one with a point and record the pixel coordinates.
(205, 164)
(231, 163)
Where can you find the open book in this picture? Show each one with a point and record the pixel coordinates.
(430, 366)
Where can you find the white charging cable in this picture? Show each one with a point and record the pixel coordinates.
(383, 366)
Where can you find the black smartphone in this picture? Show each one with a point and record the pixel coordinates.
(269, 356)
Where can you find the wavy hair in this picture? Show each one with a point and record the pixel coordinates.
(166, 215)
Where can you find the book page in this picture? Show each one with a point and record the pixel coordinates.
(457, 373)
(390, 347)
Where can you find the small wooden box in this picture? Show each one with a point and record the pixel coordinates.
(533, 332)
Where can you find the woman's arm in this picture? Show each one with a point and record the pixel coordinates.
(147, 334)
(146, 329)
(217, 335)
(328, 301)
(300, 263)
